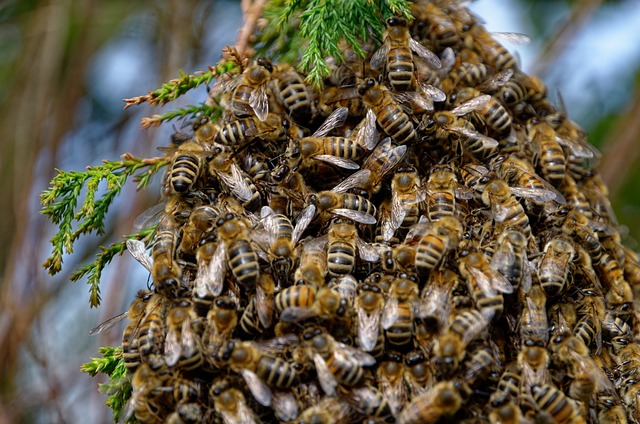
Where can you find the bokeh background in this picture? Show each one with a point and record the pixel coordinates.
(66, 65)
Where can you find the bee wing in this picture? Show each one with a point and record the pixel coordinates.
(258, 388)
(495, 81)
(352, 353)
(533, 376)
(259, 102)
(380, 56)
(388, 155)
(297, 313)
(238, 185)
(496, 280)
(488, 142)
(394, 392)
(391, 225)
(188, 339)
(367, 135)
(471, 105)
(390, 312)
(267, 218)
(513, 37)
(337, 161)
(149, 217)
(448, 59)
(527, 279)
(462, 192)
(264, 306)
(304, 219)
(357, 179)
(108, 324)
(578, 149)
(326, 378)
(590, 366)
(430, 57)
(537, 194)
(337, 119)
(504, 254)
(284, 405)
(357, 216)
(363, 399)
(367, 252)
(478, 326)
(172, 346)
(368, 329)
(216, 271)
(222, 86)
(244, 415)
(138, 250)
(435, 303)
(409, 100)
(432, 92)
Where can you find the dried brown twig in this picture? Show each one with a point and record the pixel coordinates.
(251, 13)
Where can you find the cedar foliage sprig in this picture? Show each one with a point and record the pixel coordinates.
(60, 200)
(118, 389)
(323, 25)
(190, 112)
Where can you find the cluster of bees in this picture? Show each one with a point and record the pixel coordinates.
(425, 240)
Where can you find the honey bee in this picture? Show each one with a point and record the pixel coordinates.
(389, 115)
(146, 402)
(326, 304)
(504, 408)
(490, 111)
(493, 53)
(182, 344)
(369, 305)
(611, 274)
(234, 179)
(442, 190)
(418, 373)
(533, 319)
(166, 272)
(559, 407)
(396, 52)
(432, 241)
(130, 336)
(506, 210)
(152, 333)
(313, 263)
(474, 176)
(347, 205)
(441, 401)
(293, 93)
(342, 243)
(390, 376)
(368, 401)
(525, 182)
(187, 166)
(466, 74)
(241, 131)
(610, 409)
(548, 153)
(510, 259)
(533, 361)
(583, 231)
(485, 284)
(260, 366)
(231, 404)
(406, 195)
(576, 199)
(200, 221)
(328, 411)
(434, 26)
(435, 297)
(400, 309)
(221, 322)
(250, 90)
(280, 238)
(522, 87)
(450, 348)
(554, 266)
(336, 363)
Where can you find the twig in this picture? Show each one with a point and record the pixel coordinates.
(251, 15)
(561, 39)
(622, 149)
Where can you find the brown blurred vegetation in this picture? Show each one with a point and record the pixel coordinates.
(47, 48)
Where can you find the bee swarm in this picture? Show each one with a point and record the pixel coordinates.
(425, 240)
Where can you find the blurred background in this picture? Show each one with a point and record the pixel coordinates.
(66, 65)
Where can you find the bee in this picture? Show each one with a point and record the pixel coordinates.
(201, 221)
(583, 231)
(400, 309)
(234, 179)
(187, 166)
(231, 404)
(504, 408)
(576, 199)
(328, 411)
(506, 210)
(474, 176)
(611, 274)
(280, 238)
(396, 52)
(406, 195)
(152, 332)
(336, 363)
(389, 115)
(182, 344)
(533, 361)
(485, 284)
(432, 241)
(390, 377)
(434, 26)
(146, 402)
(553, 402)
(250, 96)
(610, 409)
(435, 297)
(327, 304)
(450, 348)
(510, 259)
(522, 87)
(442, 190)
(344, 95)
(298, 296)
(342, 243)
(525, 182)
(533, 319)
(441, 401)
(221, 322)
(347, 205)
(342, 152)
(548, 153)
(368, 401)
(167, 274)
(260, 367)
(130, 336)
(554, 266)
(490, 111)
(293, 93)
(239, 132)
(493, 53)
(369, 306)
(313, 263)
(466, 75)
(418, 373)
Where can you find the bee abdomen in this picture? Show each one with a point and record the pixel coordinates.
(244, 263)
(185, 171)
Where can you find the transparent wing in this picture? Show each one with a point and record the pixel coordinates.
(352, 353)
(297, 313)
(430, 57)
(496, 81)
(491, 283)
(188, 339)
(284, 405)
(337, 161)
(337, 119)
(487, 142)
(216, 270)
(172, 346)
(358, 179)
(326, 378)
(357, 216)
(367, 252)
(433, 92)
(138, 250)
(260, 391)
(471, 105)
(537, 194)
(513, 37)
(367, 135)
(108, 324)
(379, 58)
(259, 102)
(304, 219)
(264, 306)
(390, 312)
(149, 217)
(368, 329)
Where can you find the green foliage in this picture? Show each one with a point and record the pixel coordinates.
(60, 205)
(321, 26)
(118, 389)
(190, 112)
